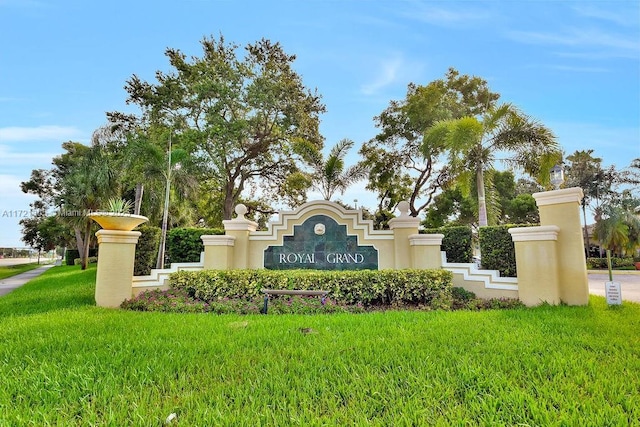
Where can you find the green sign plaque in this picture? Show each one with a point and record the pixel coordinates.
(320, 243)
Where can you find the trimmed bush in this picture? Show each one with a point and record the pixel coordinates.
(146, 250)
(430, 288)
(71, 255)
(184, 244)
(601, 263)
(497, 249)
(91, 260)
(456, 242)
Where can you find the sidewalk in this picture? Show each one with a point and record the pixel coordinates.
(13, 282)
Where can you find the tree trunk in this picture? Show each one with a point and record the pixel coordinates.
(227, 209)
(137, 204)
(482, 204)
(79, 241)
(87, 240)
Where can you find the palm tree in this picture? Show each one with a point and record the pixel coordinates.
(473, 144)
(618, 230)
(329, 175)
(86, 188)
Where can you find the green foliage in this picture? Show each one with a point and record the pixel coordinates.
(523, 210)
(398, 168)
(240, 110)
(180, 301)
(329, 175)
(117, 205)
(69, 363)
(71, 255)
(467, 300)
(472, 142)
(457, 242)
(185, 245)
(146, 250)
(497, 249)
(431, 288)
(601, 263)
(90, 260)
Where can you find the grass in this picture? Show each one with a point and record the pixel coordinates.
(12, 270)
(64, 361)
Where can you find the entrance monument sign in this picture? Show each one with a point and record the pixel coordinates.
(321, 243)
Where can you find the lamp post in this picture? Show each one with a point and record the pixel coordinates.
(557, 176)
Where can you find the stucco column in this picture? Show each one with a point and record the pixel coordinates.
(116, 256)
(403, 226)
(537, 264)
(562, 208)
(240, 228)
(218, 252)
(425, 250)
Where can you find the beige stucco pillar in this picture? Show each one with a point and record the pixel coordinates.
(116, 256)
(425, 250)
(218, 252)
(240, 228)
(537, 263)
(403, 226)
(562, 209)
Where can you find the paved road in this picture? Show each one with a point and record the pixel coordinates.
(629, 284)
(15, 261)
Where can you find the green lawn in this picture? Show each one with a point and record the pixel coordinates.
(65, 362)
(11, 270)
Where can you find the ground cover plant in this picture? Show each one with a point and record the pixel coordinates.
(64, 361)
(12, 270)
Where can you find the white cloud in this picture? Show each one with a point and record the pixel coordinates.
(448, 17)
(387, 74)
(39, 133)
(8, 157)
(583, 38)
(625, 19)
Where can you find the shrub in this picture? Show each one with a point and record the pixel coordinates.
(467, 300)
(91, 260)
(71, 255)
(457, 242)
(497, 249)
(431, 288)
(173, 300)
(146, 250)
(184, 244)
(601, 263)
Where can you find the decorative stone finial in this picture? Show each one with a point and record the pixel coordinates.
(241, 210)
(403, 207)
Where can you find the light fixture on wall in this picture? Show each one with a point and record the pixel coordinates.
(557, 176)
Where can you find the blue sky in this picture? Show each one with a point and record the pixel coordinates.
(574, 65)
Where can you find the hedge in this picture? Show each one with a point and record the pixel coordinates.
(184, 244)
(430, 288)
(497, 249)
(456, 242)
(598, 263)
(71, 255)
(146, 250)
